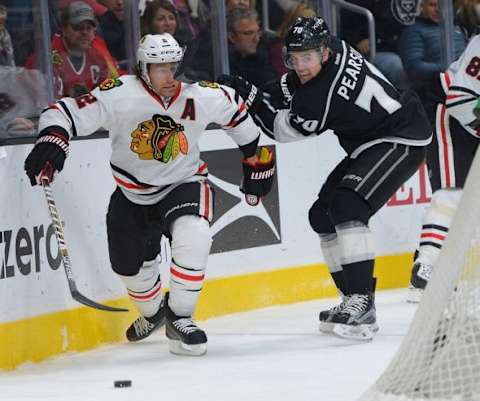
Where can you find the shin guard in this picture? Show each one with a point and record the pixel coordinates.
(145, 288)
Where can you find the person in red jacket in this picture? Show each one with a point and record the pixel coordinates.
(80, 59)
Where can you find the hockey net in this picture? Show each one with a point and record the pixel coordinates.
(439, 358)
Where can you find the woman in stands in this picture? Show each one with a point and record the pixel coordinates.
(159, 17)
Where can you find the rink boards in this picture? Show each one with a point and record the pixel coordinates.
(261, 256)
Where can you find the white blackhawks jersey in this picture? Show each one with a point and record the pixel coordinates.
(461, 83)
(154, 145)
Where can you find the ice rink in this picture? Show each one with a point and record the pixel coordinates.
(274, 354)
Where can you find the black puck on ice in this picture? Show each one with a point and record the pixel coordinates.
(122, 383)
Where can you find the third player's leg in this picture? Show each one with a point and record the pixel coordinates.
(449, 157)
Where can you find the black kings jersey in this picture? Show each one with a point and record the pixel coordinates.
(349, 96)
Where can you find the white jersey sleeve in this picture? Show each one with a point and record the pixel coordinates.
(464, 85)
(233, 117)
(79, 116)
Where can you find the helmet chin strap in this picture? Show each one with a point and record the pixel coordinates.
(144, 74)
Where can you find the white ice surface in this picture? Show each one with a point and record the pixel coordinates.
(274, 354)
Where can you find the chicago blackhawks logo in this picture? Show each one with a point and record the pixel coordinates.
(56, 58)
(160, 138)
(110, 84)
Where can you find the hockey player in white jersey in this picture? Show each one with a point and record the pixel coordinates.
(449, 156)
(155, 122)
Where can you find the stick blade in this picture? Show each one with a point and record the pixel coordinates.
(77, 296)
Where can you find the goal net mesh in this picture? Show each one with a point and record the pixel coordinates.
(439, 358)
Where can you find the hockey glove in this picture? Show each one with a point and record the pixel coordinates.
(475, 124)
(249, 92)
(47, 156)
(258, 177)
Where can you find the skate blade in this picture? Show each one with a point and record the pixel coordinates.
(362, 332)
(326, 327)
(414, 295)
(179, 348)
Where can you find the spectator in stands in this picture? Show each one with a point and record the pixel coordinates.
(467, 16)
(97, 8)
(20, 28)
(231, 4)
(247, 57)
(80, 59)
(276, 46)
(420, 45)
(160, 16)
(189, 28)
(276, 9)
(113, 30)
(391, 17)
(6, 47)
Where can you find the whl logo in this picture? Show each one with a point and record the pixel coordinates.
(236, 225)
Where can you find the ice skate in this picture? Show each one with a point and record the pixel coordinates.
(185, 337)
(357, 319)
(421, 273)
(142, 327)
(325, 316)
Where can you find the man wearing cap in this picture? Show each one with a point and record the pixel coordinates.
(80, 59)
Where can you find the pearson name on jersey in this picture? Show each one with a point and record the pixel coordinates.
(349, 96)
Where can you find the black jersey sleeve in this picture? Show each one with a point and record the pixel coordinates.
(277, 115)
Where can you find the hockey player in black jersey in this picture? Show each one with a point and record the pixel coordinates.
(384, 133)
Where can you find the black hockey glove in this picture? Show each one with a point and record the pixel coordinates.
(47, 156)
(475, 124)
(258, 177)
(249, 92)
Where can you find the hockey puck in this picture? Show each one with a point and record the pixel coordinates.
(122, 383)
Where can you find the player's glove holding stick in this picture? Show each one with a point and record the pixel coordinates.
(258, 174)
(47, 156)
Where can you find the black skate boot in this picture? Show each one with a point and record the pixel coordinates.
(325, 316)
(185, 337)
(357, 320)
(421, 273)
(142, 327)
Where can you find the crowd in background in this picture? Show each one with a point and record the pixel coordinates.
(89, 41)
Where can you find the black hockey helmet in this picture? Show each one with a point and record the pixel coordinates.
(307, 33)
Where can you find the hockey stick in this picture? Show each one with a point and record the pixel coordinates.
(62, 248)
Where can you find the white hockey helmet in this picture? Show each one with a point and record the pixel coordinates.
(157, 49)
